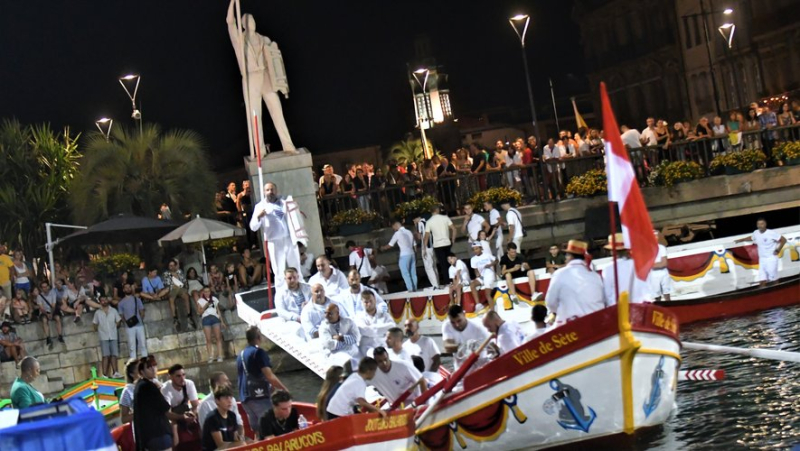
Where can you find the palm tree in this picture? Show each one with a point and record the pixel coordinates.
(409, 149)
(136, 172)
(37, 168)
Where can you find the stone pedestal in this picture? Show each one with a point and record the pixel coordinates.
(293, 175)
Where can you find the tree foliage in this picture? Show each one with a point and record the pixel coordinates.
(136, 172)
(37, 170)
(409, 149)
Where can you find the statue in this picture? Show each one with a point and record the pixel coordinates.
(263, 78)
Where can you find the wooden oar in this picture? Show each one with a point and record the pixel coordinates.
(451, 382)
(760, 353)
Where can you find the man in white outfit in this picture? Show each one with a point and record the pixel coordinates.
(372, 323)
(271, 217)
(508, 333)
(333, 280)
(769, 244)
(575, 290)
(659, 279)
(638, 290)
(290, 300)
(339, 335)
(496, 224)
(351, 300)
(426, 252)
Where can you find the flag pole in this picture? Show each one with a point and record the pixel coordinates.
(613, 234)
(267, 263)
(555, 111)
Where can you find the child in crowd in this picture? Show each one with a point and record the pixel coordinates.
(20, 309)
(459, 276)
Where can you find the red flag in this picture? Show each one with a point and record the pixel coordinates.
(623, 189)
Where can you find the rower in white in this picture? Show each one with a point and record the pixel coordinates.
(575, 290)
(508, 333)
(457, 332)
(395, 377)
(372, 323)
(394, 345)
(329, 277)
(421, 345)
(291, 298)
(638, 290)
(769, 244)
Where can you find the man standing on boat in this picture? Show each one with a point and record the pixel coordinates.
(638, 290)
(769, 244)
(426, 252)
(271, 217)
(496, 224)
(458, 330)
(659, 279)
(575, 290)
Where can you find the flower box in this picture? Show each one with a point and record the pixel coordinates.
(731, 170)
(354, 229)
(793, 161)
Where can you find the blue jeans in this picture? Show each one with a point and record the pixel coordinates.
(408, 268)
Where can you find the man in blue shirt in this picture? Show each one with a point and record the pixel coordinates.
(153, 288)
(768, 120)
(256, 378)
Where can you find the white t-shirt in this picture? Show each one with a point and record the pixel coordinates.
(487, 248)
(211, 311)
(402, 356)
(509, 336)
(404, 240)
(400, 377)
(662, 253)
(464, 272)
(477, 262)
(494, 218)
(471, 332)
(333, 285)
(649, 136)
(425, 347)
(305, 267)
(362, 264)
(766, 243)
(514, 217)
(474, 226)
(175, 397)
(344, 400)
(107, 323)
(631, 138)
(439, 228)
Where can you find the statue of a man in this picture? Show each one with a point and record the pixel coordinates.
(263, 75)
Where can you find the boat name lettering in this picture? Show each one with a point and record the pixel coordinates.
(557, 341)
(378, 424)
(664, 322)
(294, 443)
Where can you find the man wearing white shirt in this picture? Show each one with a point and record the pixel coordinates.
(659, 279)
(407, 262)
(473, 223)
(394, 377)
(422, 346)
(458, 330)
(508, 333)
(372, 323)
(575, 290)
(361, 259)
(769, 244)
(180, 390)
(394, 345)
(329, 277)
(496, 224)
(648, 136)
(552, 177)
(313, 313)
(426, 252)
(350, 299)
(638, 290)
(459, 278)
(439, 230)
(516, 231)
(339, 335)
(630, 137)
(351, 394)
(484, 267)
(538, 317)
(270, 216)
(306, 261)
(290, 298)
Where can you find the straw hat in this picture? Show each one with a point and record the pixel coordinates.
(576, 247)
(619, 240)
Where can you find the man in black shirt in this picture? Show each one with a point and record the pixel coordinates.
(220, 430)
(512, 266)
(281, 419)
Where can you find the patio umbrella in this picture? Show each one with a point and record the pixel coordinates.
(123, 228)
(200, 230)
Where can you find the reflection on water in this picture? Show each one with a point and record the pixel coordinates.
(757, 406)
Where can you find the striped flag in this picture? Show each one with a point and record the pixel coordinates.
(624, 190)
(578, 118)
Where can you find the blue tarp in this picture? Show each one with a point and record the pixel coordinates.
(69, 425)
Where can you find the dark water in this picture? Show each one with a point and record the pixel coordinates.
(757, 406)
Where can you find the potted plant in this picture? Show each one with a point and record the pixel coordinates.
(591, 183)
(354, 221)
(411, 209)
(668, 173)
(739, 162)
(496, 196)
(787, 152)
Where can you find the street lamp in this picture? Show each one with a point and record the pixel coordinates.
(423, 84)
(104, 125)
(136, 115)
(520, 24)
(726, 30)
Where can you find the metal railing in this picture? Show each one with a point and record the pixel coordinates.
(546, 181)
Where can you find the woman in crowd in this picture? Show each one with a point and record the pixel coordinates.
(195, 285)
(662, 134)
(361, 185)
(703, 129)
(719, 131)
(126, 398)
(428, 174)
(124, 277)
(785, 118)
(216, 280)
(231, 280)
(60, 271)
(734, 126)
(21, 308)
(678, 132)
(72, 300)
(151, 412)
(413, 177)
(751, 124)
(22, 274)
(250, 271)
(211, 316)
(333, 379)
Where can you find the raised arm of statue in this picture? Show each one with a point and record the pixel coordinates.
(234, 30)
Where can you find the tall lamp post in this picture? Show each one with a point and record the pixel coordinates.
(520, 24)
(423, 84)
(104, 125)
(704, 16)
(136, 115)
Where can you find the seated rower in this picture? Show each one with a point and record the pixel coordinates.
(458, 330)
(281, 419)
(459, 276)
(483, 265)
(314, 312)
(290, 299)
(329, 277)
(508, 333)
(431, 377)
(339, 334)
(394, 345)
(575, 290)
(394, 377)
(351, 394)
(421, 345)
(512, 266)
(372, 323)
(350, 299)
(538, 316)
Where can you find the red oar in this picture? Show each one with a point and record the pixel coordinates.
(403, 396)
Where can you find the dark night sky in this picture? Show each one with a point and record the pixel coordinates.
(346, 62)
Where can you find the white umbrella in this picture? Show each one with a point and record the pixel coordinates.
(199, 230)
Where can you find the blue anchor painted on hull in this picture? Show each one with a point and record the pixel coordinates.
(572, 414)
(656, 380)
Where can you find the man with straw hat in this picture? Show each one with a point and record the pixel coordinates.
(638, 290)
(575, 290)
